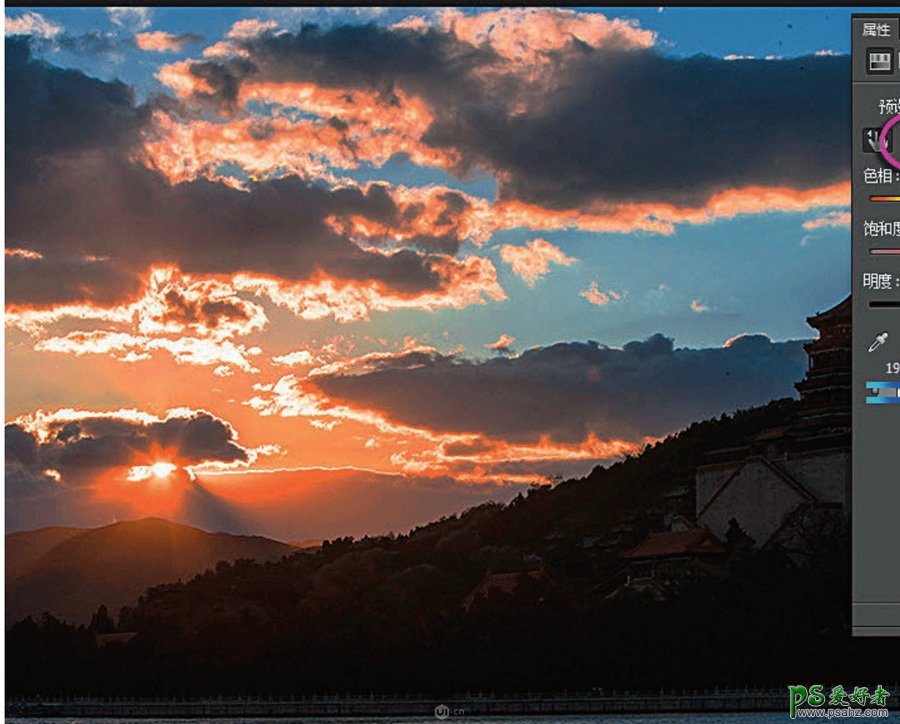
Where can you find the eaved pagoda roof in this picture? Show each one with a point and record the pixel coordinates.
(838, 313)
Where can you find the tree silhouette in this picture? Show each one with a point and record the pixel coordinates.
(101, 622)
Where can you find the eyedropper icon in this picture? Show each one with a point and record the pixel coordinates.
(879, 340)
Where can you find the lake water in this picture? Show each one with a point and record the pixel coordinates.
(748, 718)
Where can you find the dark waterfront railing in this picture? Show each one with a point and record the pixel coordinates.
(469, 704)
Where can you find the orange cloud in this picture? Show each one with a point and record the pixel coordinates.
(300, 357)
(159, 41)
(126, 347)
(477, 459)
(481, 218)
(368, 362)
(532, 261)
(195, 319)
(179, 78)
(171, 303)
(292, 397)
(663, 218)
(424, 212)
(503, 343)
(832, 218)
(462, 282)
(175, 303)
(34, 321)
(530, 35)
(350, 126)
(696, 306)
(761, 199)
(32, 23)
(184, 151)
(23, 253)
(597, 296)
(241, 30)
(192, 319)
(250, 27)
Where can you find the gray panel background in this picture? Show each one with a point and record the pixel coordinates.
(876, 443)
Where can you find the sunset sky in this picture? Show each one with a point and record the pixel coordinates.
(308, 273)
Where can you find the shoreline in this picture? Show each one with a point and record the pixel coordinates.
(372, 706)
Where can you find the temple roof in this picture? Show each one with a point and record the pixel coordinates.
(676, 543)
(838, 313)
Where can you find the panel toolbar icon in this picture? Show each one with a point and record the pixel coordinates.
(879, 61)
(870, 140)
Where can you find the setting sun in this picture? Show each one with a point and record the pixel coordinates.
(159, 470)
(162, 469)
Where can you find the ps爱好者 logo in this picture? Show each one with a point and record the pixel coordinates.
(812, 702)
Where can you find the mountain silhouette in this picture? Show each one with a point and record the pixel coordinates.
(23, 548)
(69, 571)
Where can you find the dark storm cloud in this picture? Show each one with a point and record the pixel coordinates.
(208, 313)
(75, 191)
(111, 441)
(91, 43)
(279, 228)
(638, 126)
(224, 81)
(49, 481)
(60, 279)
(352, 56)
(52, 110)
(79, 449)
(570, 390)
(198, 438)
(21, 447)
(611, 124)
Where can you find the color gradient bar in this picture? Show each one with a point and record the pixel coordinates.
(886, 393)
